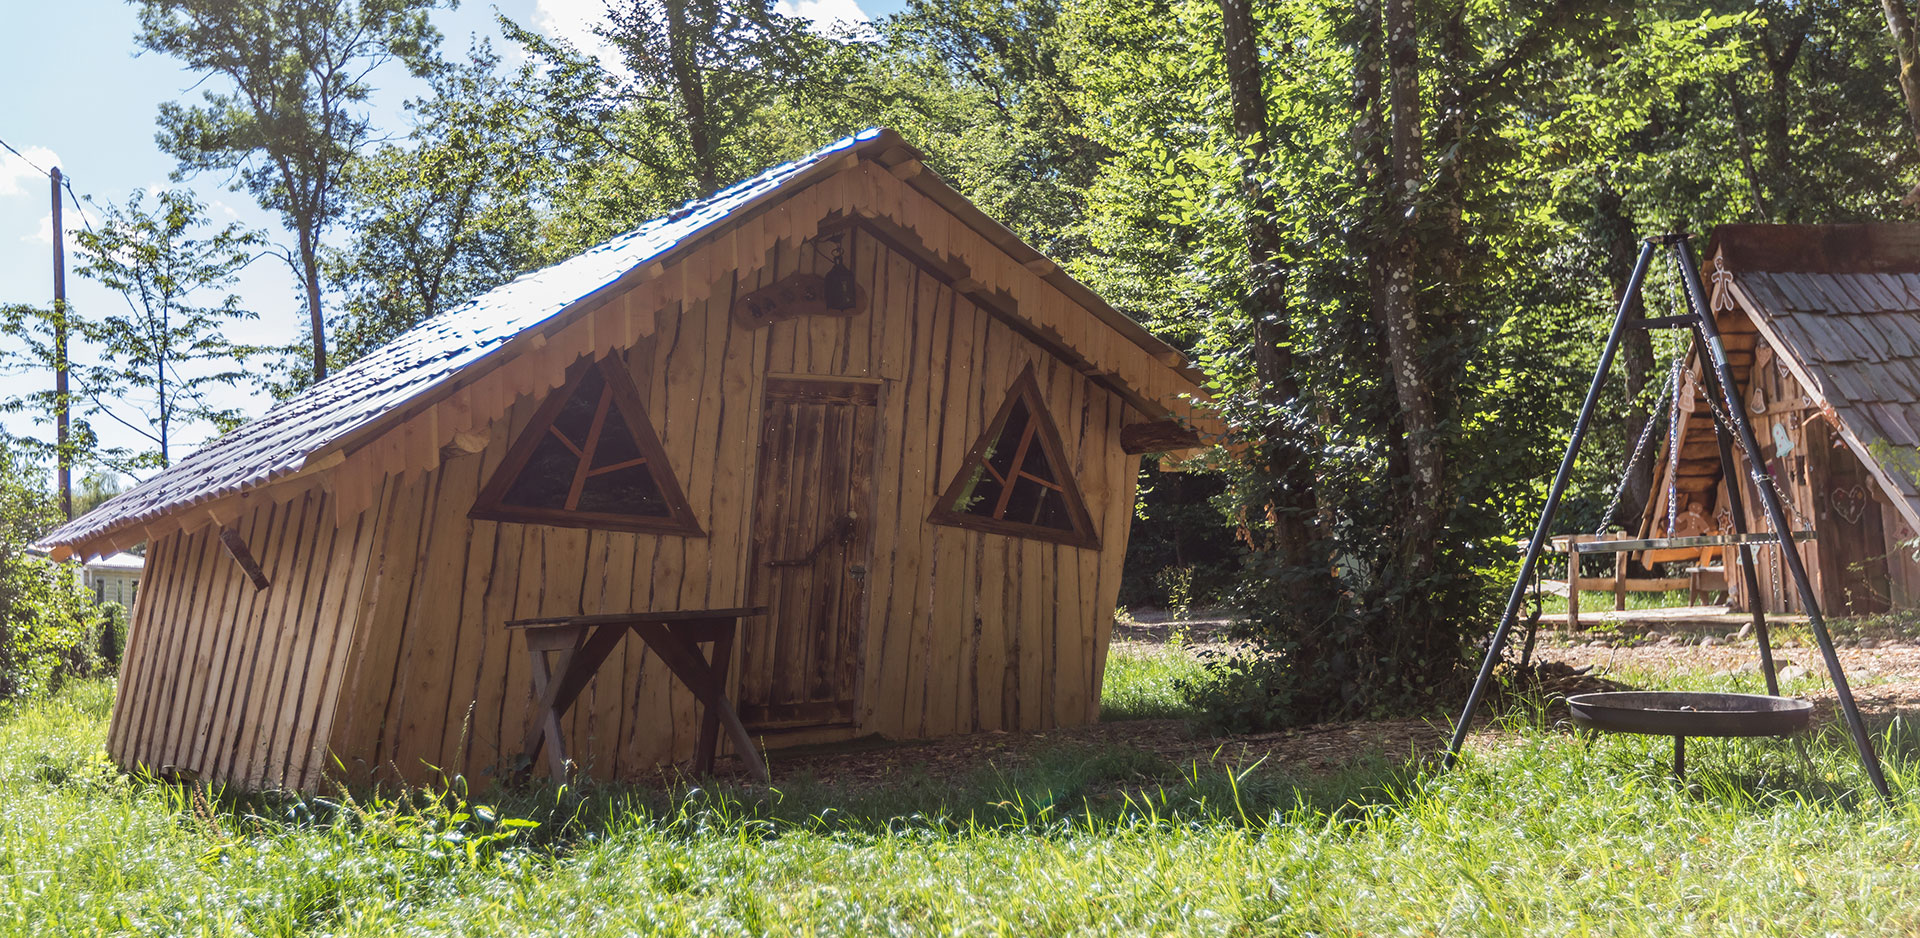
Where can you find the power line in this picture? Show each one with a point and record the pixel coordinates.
(23, 158)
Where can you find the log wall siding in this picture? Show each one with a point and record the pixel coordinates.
(965, 630)
(381, 644)
(223, 681)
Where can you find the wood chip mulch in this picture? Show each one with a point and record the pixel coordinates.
(1885, 679)
(1303, 751)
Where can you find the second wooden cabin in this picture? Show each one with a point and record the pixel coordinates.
(1822, 329)
(836, 389)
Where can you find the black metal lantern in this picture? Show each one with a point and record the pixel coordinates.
(842, 292)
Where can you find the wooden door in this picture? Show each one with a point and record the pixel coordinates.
(812, 526)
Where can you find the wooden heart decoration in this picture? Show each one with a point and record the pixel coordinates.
(1849, 503)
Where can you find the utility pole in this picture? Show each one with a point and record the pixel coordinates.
(62, 458)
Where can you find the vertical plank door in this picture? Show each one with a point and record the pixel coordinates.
(812, 527)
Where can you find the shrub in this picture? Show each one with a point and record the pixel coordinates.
(48, 623)
(112, 640)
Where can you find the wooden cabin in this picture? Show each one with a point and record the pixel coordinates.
(1822, 329)
(837, 390)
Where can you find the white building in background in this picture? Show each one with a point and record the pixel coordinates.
(114, 578)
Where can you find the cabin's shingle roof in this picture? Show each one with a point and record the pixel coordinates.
(278, 442)
(348, 408)
(1858, 336)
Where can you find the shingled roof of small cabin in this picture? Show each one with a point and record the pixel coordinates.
(1840, 304)
(358, 401)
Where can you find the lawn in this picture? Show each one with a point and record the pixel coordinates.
(1537, 833)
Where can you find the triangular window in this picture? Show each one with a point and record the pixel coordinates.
(589, 459)
(1015, 480)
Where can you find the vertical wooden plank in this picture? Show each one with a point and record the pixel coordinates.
(369, 689)
(143, 643)
(312, 568)
(190, 678)
(341, 615)
(416, 719)
(317, 623)
(210, 662)
(953, 624)
(251, 690)
(219, 729)
(291, 553)
(168, 688)
(139, 639)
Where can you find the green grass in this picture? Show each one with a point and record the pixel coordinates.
(1599, 601)
(1539, 834)
(1143, 681)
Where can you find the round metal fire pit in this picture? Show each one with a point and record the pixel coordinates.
(1687, 713)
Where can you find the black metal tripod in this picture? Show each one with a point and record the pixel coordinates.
(1721, 385)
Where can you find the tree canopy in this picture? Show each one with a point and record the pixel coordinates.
(1390, 232)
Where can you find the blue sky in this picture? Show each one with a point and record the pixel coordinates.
(73, 92)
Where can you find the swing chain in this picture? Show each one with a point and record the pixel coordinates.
(1756, 469)
(1640, 449)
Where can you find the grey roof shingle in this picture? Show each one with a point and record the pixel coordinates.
(1861, 341)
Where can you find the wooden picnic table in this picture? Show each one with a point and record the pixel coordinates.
(582, 644)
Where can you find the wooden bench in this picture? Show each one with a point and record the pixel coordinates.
(1574, 545)
(583, 643)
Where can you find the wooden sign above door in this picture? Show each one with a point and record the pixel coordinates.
(792, 297)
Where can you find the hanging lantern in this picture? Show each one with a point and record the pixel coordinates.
(842, 292)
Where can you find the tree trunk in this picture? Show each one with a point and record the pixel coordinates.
(1776, 129)
(693, 96)
(1736, 103)
(1266, 298)
(1907, 46)
(1636, 346)
(1400, 312)
(310, 277)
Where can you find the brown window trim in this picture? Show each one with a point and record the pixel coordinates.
(1025, 388)
(625, 400)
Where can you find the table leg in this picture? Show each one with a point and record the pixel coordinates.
(691, 667)
(545, 723)
(581, 654)
(707, 743)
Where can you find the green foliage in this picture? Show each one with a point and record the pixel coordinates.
(1146, 681)
(49, 628)
(159, 360)
(448, 215)
(1181, 550)
(37, 352)
(290, 108)
(112, 643)
(95, 488)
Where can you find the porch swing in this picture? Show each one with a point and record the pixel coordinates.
(1681, 714)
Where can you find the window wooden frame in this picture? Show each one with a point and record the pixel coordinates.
(1042, 432)
(624, 399)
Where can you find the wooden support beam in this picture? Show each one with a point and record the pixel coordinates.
(230, 538)
(907, 169)
(1159, 436)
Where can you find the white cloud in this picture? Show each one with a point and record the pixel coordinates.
(573, 21)
(69, 219)
(17, 177)
(825, 14)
